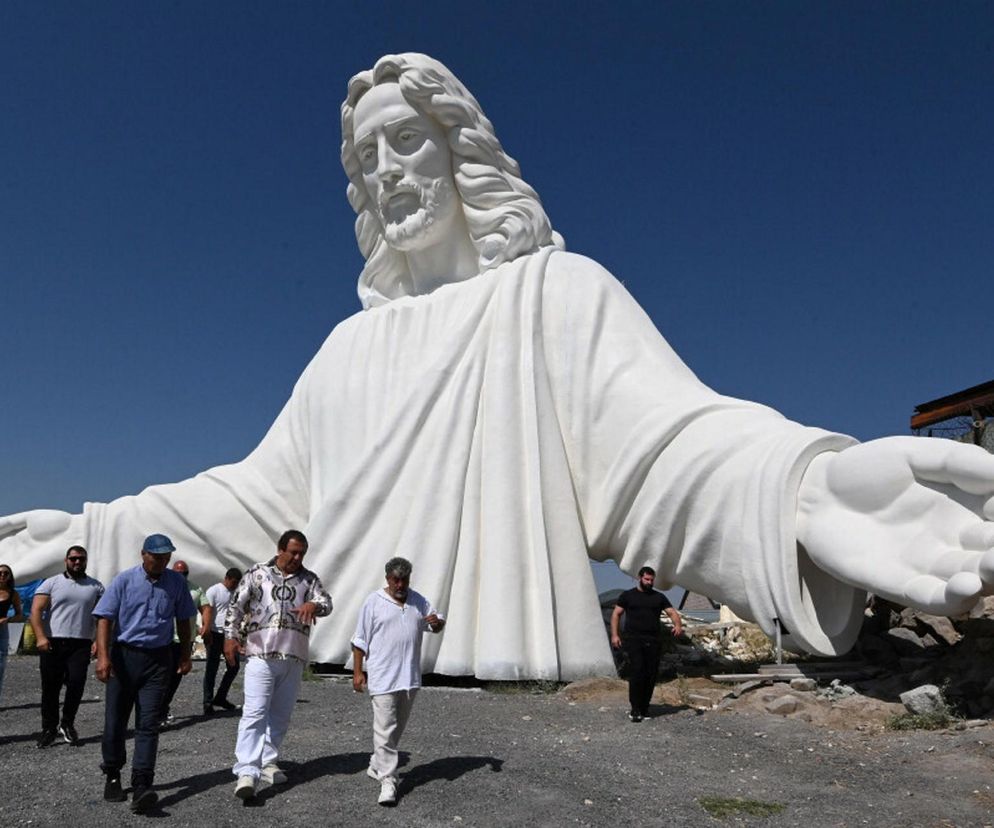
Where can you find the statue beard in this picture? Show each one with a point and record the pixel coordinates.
(432, 196)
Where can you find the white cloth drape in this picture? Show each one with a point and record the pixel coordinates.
(497, 432)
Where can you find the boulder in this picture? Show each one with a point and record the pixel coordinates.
(783, 705)
(940, 628)
(905, 641)
(803, 685)
(924, 700)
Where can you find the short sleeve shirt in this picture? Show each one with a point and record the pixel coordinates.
(218, 596)
(390, 635)
(146, 610)
(71, 603)
(642, 610)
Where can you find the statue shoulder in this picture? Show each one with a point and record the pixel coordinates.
(575, 271)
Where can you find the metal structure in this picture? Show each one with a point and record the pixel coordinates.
(965, 416)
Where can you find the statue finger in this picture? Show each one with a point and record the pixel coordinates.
(962, 592)
(965, 466)
(978, 536)
(45, 524)
(952, 561)
(12, 524)
(985, 569)
(942, 597)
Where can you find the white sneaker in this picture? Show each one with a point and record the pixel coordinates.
(245, 787)
(388, 792)
(372, 774)
(273, 775)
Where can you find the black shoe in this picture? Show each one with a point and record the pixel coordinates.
(68, 732)
(143, 799)
(224, 704)
(47, 738)
(208, 709)
(112, 790)
(634, 716)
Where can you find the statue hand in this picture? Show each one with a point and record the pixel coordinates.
(35, 542)
(907, 518)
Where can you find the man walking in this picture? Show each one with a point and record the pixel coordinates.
(62, 619)
(642, 607)
(197, 596)
(213, 613)
(269, 619)
(145, 602)
(387, 642)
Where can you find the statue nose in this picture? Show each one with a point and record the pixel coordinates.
(389, 168)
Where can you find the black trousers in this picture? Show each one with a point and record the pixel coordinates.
(174, 679)
(140, 680)
(215, 652)
(65, 664)
(643, 669)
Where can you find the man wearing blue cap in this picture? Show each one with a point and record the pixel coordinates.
(145, 603)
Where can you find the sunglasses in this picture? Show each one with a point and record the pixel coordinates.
(74, 560)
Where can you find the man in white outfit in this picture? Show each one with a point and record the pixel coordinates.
(387, 642)
(269, 620)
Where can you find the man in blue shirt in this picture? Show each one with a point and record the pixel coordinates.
(144, 603)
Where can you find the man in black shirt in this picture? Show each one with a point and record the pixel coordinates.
(642, 607)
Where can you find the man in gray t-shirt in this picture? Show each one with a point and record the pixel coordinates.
(62, 618)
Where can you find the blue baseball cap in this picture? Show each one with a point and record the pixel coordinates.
(158, 545)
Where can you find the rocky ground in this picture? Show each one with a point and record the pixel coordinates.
(514, 756)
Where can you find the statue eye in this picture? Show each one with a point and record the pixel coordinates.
(367, 153)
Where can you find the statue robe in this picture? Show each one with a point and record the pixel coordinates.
(499, 432)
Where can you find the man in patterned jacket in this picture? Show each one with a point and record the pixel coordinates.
(269, 620)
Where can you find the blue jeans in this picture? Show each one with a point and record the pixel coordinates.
(140, 681)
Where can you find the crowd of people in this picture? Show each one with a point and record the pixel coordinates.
(141, 627)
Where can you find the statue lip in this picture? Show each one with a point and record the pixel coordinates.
(400, 204)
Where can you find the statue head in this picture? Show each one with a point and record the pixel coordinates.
(503, 214)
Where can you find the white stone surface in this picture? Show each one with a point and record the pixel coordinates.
(501, 410)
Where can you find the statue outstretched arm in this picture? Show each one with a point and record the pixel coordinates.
(786, 524)
(907, 518)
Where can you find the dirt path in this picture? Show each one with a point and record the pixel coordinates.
(511, 758)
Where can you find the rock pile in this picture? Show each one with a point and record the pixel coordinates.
(902, 649)
(915, 649)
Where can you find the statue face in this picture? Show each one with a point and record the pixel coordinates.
(407, 169)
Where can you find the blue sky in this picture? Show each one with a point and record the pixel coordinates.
(799, 194)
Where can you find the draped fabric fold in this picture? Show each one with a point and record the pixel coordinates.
(499, 432)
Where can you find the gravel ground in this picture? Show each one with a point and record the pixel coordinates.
(505, 758)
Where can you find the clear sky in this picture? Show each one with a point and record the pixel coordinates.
(799, 194)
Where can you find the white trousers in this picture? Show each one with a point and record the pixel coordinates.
(270, 692)
(390, 714)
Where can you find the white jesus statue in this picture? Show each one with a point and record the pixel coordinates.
(501, 411)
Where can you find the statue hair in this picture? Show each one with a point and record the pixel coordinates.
(504, 215)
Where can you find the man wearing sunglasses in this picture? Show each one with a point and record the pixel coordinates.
(62, 619)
